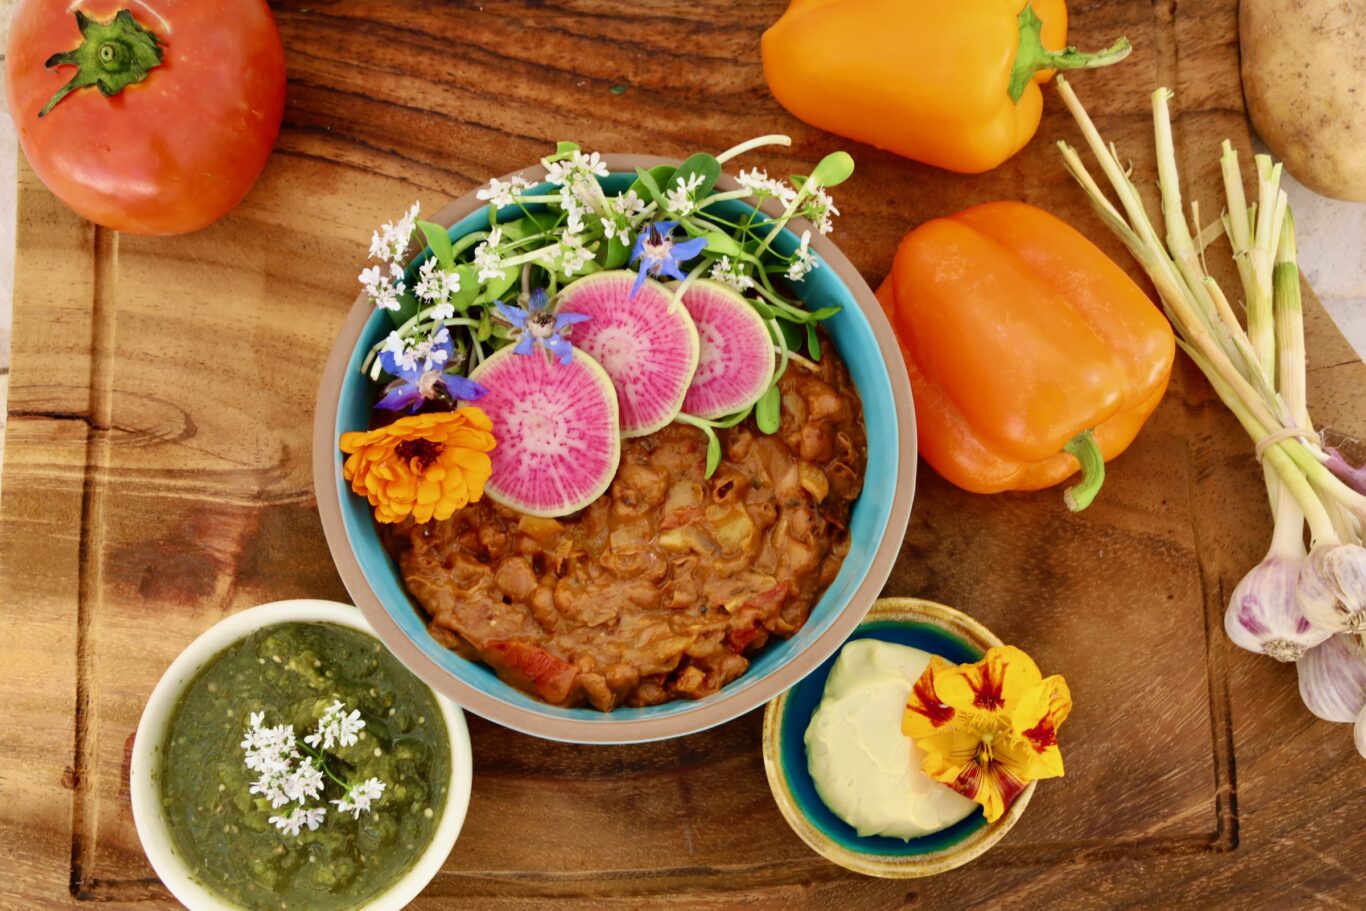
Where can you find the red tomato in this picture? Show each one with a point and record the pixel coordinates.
(183, 141)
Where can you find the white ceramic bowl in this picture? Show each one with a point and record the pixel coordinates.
(146, 763)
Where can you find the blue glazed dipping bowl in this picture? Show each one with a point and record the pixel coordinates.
(930, 627)
(865, 341)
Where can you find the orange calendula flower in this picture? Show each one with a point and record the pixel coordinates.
(988, 729)
(425, 465)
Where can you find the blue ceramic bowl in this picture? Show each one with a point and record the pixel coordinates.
(864, 338)
(925, 625)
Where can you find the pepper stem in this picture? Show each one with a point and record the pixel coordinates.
(1079, 495)
(112, 56)
(1031, 57)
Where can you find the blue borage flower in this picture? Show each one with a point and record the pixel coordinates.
(421, 377)
(536, 325)
(659, 254)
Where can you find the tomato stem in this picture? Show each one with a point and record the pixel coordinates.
(112, 55)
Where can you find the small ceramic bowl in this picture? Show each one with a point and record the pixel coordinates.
(863, 336)
(145, 769)
(930, 627)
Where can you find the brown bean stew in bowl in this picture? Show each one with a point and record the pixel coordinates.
(663, 586)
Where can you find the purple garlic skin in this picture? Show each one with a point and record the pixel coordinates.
(1333, 679)
(1264, 614)
(1332, 587)
(1359, 733)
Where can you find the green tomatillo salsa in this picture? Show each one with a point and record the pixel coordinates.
(292, 673)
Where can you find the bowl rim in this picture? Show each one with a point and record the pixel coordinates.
(637, 730)
(144, 793)
(904, 611)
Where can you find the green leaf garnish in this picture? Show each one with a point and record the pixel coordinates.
(648, 182)
(767, 410)
(813, 342)
(469, 287)
(713, 451)
(440, 242)
(718, 243)
(833, 170)
(614, 253)
(701, 163)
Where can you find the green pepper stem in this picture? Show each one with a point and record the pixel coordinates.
(1032, 57)
(1079, 495)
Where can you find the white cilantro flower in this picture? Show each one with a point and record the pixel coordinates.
(572, 255)
(300, 817)
(383, 292)
(305, 783)
(619, 211)
(564, 171)
(803, 260)
(679, 200)
(359, 798)
(503, 193)
(390, 242)
(435, 284)
(273, 751)
(443, 312)
(819, 208)
(732, 273)
(487, 258)
(336, 726)
(574, 223)
(761, 185)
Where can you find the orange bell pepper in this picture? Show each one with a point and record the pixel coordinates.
(1029, 350)
(953, 83)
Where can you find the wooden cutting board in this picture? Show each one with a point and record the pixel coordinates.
(156, 478)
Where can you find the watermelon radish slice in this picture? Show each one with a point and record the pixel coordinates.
(557, 431)
(648, 350)
(735, 367)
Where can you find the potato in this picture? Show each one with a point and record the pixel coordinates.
(1304, 77)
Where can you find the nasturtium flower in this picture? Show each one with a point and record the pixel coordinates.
(421, 377)
(988, 729)
(425, 465)
(1036, 719)
(659, 254)
(535, 324)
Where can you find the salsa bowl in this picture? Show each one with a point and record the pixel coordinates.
(149, 815)
(865, 341)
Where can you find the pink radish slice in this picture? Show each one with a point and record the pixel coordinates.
(556, 427)
(736, 364)
(649, 351)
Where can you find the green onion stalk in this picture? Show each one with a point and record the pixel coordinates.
(1293, 601)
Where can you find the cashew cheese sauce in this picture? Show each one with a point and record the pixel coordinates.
(865, 770)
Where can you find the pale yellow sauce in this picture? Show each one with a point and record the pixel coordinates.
(867, 771)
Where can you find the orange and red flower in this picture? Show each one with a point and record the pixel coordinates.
(988, 729)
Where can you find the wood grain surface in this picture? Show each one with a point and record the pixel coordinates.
(156, 479)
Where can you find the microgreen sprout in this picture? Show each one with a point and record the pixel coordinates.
(459, 300)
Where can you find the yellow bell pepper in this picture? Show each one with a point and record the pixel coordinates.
(952, 83)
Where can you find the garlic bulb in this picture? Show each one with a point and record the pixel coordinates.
(1333, 679)
(1332, 587)
(1264, 615)
(1359, 733)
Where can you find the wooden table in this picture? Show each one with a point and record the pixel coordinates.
(157, 478)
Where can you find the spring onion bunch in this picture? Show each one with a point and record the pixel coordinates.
(1308, 607)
